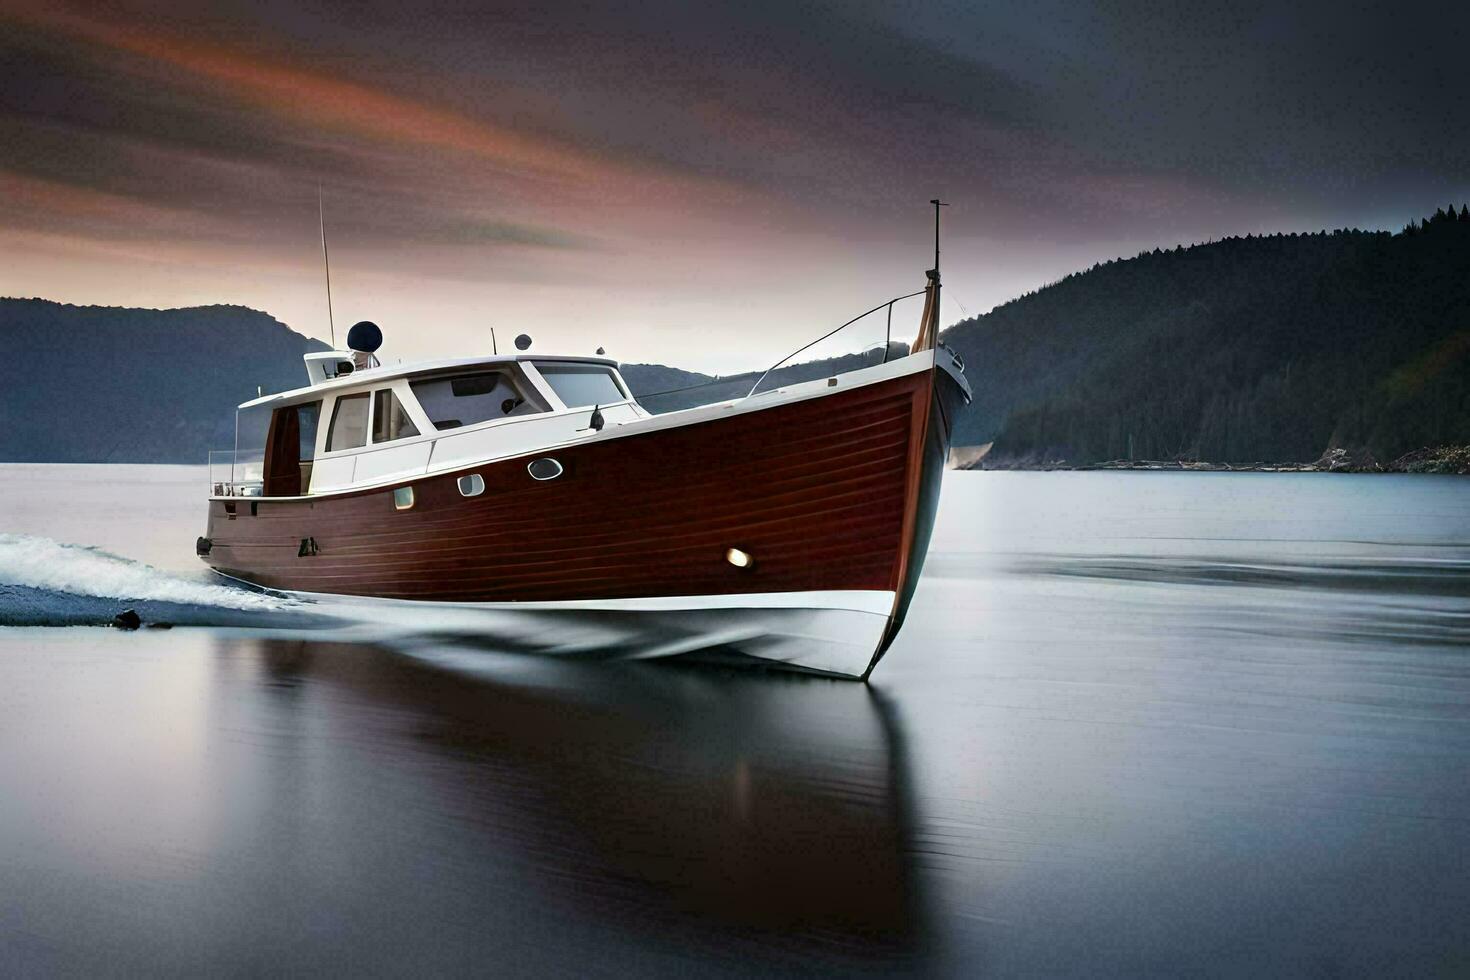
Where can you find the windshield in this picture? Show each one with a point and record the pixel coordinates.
(466, 399)
(580, 385)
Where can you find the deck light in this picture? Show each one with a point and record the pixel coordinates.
(739, 559)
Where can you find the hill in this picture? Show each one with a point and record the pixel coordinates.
(111, 384)
(108, 384)
(1274, 348)
(1269, 348)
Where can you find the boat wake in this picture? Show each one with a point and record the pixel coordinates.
(1447, 576)
(47, 583)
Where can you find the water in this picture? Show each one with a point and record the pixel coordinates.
(1137, 723)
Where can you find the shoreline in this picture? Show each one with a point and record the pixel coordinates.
(1442, 461)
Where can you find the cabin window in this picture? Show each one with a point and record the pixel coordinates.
(308, 417)
(465, 399)
(390, 421)
(544, 469)
(471, 485)
(403, 498)
(582, 385)
(349, 423)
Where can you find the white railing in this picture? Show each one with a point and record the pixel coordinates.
(887, 337)
(231, 478)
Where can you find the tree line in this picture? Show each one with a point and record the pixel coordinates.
(1274, 347)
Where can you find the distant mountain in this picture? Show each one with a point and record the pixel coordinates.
(1271, 348)
(108, 384)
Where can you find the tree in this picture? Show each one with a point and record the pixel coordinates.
(1253, 348)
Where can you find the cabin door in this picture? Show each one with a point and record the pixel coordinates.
(289, 448)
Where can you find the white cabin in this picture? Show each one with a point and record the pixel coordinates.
(359, 424)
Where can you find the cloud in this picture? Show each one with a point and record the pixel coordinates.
(306, 96)
(667, 156)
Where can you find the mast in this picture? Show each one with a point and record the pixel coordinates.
(937, 205)
(929, 321)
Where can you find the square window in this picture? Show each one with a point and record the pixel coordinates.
(403, 498)
(390, 420)
(349, 423)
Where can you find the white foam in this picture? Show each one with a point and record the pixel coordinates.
(41, 563)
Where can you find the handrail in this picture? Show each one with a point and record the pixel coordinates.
(222, 467)
(829, 333)
(672, 391)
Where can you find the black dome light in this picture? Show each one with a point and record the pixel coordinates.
(523, 342)
(364, 337)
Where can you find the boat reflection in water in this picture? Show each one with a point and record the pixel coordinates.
(451, 807)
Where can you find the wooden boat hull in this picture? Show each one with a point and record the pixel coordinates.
(833, 497)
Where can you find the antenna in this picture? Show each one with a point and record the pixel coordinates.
(327, 266)
(494, 347)
(937, 205)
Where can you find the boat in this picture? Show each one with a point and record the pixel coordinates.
(534, 495)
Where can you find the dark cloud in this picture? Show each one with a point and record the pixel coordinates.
(1308, 105)
(478, 130)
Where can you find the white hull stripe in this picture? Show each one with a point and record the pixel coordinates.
(834, 632)
(852, 600)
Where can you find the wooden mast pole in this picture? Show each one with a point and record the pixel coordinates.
(929, 321)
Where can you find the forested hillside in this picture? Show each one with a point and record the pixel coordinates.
(104, 384)
(1270, 348)
(1274, 348)
(111, 384)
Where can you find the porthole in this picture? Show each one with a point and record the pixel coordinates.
(544, 468)
(471, 485)
(403, 498)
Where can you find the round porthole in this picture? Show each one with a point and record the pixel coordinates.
(471, 485)
(544, 468)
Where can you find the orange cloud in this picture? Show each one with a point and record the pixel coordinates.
(97, 210)
(320, 100)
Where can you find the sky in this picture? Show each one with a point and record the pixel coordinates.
(708, 185)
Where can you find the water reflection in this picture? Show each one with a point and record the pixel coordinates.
(1159, 724)
(638, 814)
(1446, 575)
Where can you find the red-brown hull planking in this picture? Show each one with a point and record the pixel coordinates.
(821, 493)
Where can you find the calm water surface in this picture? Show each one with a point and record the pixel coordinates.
(1137, 723)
